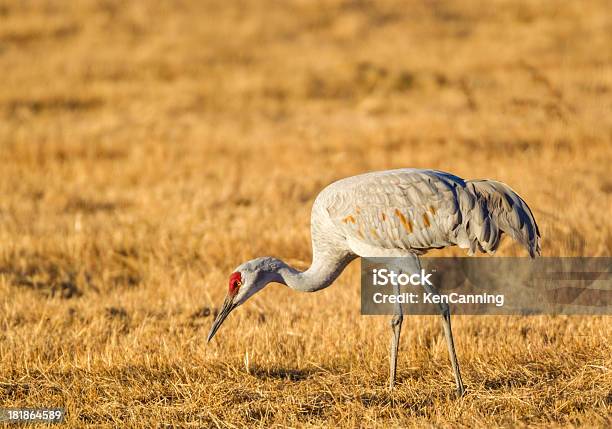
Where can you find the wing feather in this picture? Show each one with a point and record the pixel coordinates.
(406, 209)
(417, 210)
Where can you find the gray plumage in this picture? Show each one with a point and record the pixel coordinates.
(404, 212)
(419, 210)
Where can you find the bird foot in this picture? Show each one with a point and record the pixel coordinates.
(460, 392)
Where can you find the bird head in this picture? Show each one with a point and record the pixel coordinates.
(246, 280)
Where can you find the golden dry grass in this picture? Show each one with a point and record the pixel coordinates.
(147, 148)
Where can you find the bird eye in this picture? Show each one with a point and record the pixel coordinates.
(235, 286)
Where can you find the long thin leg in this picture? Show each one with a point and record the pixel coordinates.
(448, 333)
(407, 266)
(396, 327)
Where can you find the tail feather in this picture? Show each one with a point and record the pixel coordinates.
(494, 208)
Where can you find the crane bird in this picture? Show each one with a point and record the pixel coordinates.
(394, 213)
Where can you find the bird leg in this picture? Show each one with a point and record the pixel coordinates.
(448, 333)
(396, 326)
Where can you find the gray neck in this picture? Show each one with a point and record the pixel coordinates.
(321, 274)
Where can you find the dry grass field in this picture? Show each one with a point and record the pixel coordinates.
(148, 148)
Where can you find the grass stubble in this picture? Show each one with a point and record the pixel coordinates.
(147, 148)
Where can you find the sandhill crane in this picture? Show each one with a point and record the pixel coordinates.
(404, 212)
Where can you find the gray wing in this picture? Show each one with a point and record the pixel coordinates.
(413, 210)
(495, 209)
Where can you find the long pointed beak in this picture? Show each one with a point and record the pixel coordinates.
(227, 308)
